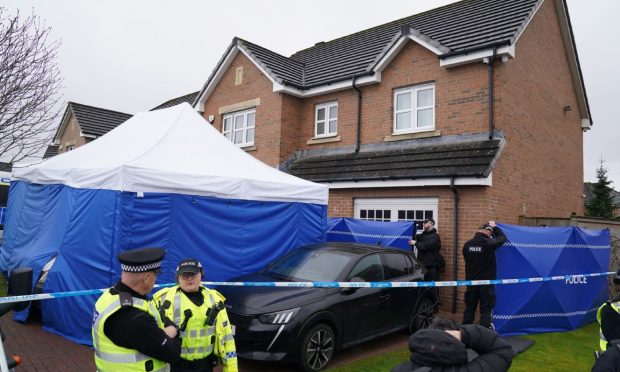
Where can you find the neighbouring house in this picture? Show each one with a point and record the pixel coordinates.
(615, 196)
(81, 124)
(189, 98)
(469, 112)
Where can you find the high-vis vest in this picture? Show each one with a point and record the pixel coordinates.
(199, 340)
(616, 306)
(112, 358)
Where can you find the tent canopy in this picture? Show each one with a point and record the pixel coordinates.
(172, 150)
(162, 179)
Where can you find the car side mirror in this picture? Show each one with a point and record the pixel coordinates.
(349, 290)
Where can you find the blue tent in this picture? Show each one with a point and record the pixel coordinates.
(164, 178)
(549, 306)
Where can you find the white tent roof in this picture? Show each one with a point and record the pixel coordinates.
(171, 150)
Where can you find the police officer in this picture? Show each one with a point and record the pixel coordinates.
(128, 333)
(608, 316)
(199, 312)
(480, 264)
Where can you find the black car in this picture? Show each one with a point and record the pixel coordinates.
(306, 325)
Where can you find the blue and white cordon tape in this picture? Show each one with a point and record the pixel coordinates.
(457, 283)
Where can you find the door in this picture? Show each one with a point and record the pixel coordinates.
(397, 209)
(398, 267)
(365, 310)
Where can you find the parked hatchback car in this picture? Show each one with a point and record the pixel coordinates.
(307, 325)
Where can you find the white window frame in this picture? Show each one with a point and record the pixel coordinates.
(396, 204)
(326, 121)
(230, 132)
(414, 109)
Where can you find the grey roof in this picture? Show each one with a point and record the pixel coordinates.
(456, 28)
(189, 98)
(52, 150)
(95, 121)
(5, 167)
(418, 159)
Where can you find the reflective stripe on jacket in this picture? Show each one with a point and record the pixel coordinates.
(614, 305)
(113, 358)
(199, 340)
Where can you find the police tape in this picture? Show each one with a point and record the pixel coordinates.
(569, 279)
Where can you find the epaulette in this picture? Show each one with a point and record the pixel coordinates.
(125, 299)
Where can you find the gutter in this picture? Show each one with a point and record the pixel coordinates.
(489, 62)
(359, 116)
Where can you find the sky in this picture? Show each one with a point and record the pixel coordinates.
(132, 55)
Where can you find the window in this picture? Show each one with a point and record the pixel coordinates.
(70, 147)
(369, 269)
(397, 265)
(239, 127)
(397, 209)
(326, 120)
(414, 109)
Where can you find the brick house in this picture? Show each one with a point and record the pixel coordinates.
(81, 124)
(468, 112)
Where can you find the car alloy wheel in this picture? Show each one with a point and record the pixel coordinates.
(317, 348)
(423, 316)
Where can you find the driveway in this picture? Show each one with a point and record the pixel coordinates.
(44, 351)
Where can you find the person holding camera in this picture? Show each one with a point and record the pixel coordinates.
(199, 313)
(480, 264)
(443, 347)
(427, 245)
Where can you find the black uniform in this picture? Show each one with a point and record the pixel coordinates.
(609, 361)
(480, 264)
(135, 329)
(435, 350)
(428, 245)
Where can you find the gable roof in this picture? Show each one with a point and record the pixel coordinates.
(587, 193)
(474, 156)
(93, 121)
(189, 98)
(52, 150)
(461, 32)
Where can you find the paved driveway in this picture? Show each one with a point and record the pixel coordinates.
(44, 351)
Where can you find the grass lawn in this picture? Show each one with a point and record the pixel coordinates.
(562, 351)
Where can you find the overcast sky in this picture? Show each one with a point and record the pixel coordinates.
(132, 55)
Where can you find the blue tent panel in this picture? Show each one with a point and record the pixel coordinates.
(390, 234)
(551, 305)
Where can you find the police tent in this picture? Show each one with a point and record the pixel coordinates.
(167, 179)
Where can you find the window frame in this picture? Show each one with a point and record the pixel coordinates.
(414, 108)
(230, 133)
(428, 206)
(326, 121)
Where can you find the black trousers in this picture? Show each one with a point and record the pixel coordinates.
(483, 295)
(431, 275)
(200, 365)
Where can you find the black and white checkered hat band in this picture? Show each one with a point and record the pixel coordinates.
(141, 268)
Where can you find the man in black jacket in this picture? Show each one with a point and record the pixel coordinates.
(445, 349)
(427, 245)
(480, 264)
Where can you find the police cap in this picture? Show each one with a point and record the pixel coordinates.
(141, 260)
(189, 265)
(486, 226)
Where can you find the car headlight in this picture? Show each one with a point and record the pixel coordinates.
(279, 317)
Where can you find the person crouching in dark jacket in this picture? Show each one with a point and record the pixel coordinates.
(436, 349)
(427, 245)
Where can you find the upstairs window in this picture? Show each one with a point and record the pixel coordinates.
(326, 120)
(239, 127)
(414, 109)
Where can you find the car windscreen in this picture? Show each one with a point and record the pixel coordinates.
(309, 266)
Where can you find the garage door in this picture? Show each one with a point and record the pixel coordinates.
(402, 209)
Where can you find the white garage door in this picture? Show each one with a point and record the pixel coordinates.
(402, 209)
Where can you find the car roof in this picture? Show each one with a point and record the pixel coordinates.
(357, 249)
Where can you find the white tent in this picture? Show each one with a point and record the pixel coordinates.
(162, 179)
(172, 150)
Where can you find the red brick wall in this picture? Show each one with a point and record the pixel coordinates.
(269, 117)
(540, 172)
